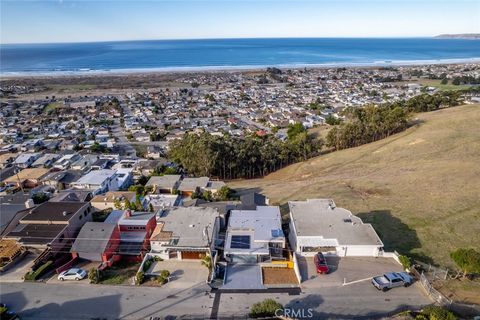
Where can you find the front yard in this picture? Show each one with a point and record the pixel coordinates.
(275, 276)
(119, 273)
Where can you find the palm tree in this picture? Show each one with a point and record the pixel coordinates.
(207, 261)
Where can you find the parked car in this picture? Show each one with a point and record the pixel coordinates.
(391, 280)
(6, 314)
(321, 263)
(72, 274)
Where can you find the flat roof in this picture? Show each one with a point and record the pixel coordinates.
(168, 181)
(187, 224)
(96, 177)
(189, 184)
(322, 218)
(265, 221)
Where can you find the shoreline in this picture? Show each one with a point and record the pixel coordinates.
(227, 68)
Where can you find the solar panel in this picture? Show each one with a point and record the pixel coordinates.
(240, 242)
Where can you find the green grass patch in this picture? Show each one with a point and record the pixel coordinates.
(119, 273)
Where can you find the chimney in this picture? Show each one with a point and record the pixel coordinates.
(128, 213)
(29, 203)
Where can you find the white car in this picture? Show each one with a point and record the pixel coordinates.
(72, 274)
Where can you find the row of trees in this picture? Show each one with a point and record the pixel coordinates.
(430, 102)
(367, 124)
(230, 157)
(372, 123)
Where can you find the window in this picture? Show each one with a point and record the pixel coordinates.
(80, 217)
(85, 213)
(240, 242)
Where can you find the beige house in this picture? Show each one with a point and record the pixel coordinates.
(102, 202)
(27, 178)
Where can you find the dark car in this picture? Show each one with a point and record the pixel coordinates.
(321, 263)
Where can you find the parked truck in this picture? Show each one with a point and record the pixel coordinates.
(391, 280)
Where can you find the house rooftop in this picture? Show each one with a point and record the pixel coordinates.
(113, 195)
(187, 225)
(36, 234)
(54, 211)
(93, 237)
(265, 222)
(26, 174)
(322, 218)
(190, 184)
(136, 218)
(96, 177)
(168, 181)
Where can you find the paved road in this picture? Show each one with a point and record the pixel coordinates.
(83, 301)
(72, 301)
(359, 300)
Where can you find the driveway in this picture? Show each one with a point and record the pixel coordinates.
(347, 269)
(83, 264)
(183, 274)
(16, 273)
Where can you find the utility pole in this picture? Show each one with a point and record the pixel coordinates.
(18, 178)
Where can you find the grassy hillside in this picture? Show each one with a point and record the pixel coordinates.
(420, 188)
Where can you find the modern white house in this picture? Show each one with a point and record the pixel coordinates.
(254, 235)
(98, 181)
(318, 225)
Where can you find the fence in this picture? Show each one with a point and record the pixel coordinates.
(434, 293)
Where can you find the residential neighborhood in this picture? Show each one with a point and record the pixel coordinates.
(90, 192)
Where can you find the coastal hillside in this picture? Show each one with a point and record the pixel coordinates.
(419, 188)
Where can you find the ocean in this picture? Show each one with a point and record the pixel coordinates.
(171, 55)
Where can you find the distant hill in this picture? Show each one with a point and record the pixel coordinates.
(419, 188)
(473, 36)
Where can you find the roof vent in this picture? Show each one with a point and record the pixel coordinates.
(64, 213)
(347, 220)
(191, 225)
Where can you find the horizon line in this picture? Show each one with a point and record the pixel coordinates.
(229, 38)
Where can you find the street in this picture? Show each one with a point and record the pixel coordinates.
(85, 301)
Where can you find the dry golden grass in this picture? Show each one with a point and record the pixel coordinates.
(420, 188)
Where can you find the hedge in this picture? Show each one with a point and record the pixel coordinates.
(34, 275)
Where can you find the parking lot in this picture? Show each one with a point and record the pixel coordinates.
(347, 269)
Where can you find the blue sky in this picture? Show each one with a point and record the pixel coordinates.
(24, 21)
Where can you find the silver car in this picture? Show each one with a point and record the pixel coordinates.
(72, 274)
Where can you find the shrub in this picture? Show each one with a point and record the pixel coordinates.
(34, 275)
(165, 274)
(139, 278)
(468, 260)
(405, 261)
(157, 258)
(146, 265)
(266, 308)
(94, 275)
(438, 313)
(163, 277)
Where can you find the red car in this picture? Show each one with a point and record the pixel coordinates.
(321, 263)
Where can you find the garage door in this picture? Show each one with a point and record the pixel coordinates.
(360, 251)
(193, 255)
